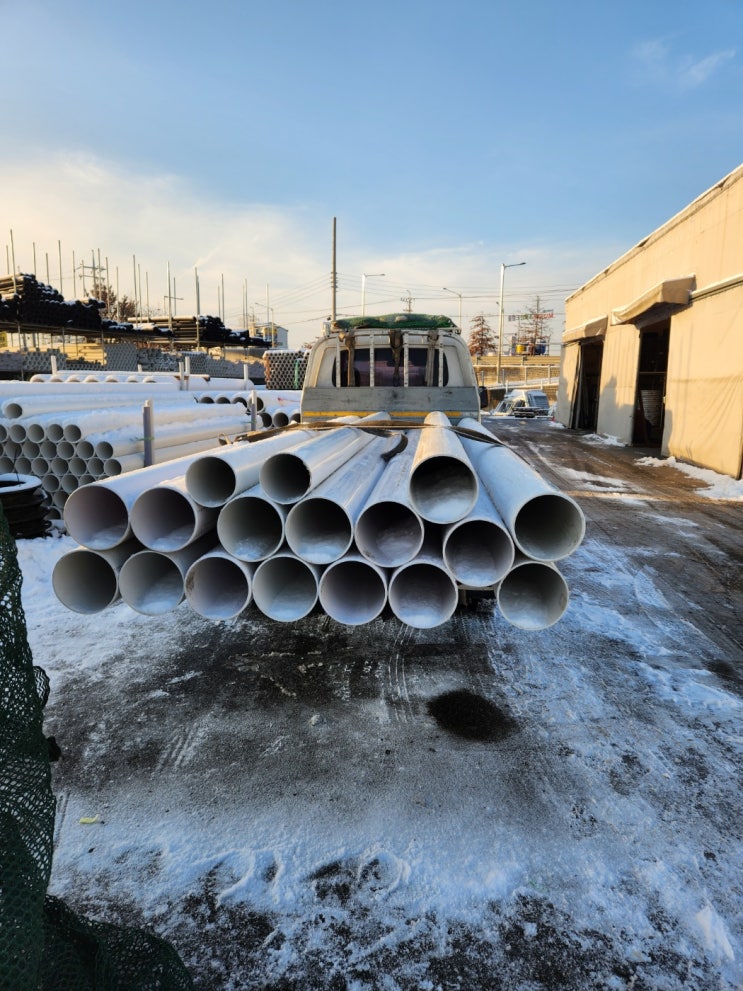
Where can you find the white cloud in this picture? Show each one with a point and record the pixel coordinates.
(656, 62)
(93, 206)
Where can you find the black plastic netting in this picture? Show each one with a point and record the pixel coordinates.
(44, 945)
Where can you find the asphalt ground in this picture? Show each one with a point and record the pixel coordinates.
(310, 806)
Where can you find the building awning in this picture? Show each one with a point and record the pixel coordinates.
(671, 292)
(591, 328)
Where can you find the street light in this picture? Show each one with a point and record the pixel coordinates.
(364, 277)
(460, 304)
(503, 268)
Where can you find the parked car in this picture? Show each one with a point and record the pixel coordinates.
(523, 403)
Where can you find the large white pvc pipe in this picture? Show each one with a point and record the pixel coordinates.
(478, 550)
(545, 524)
(87, 581)
(13, 409)
(289, 476)
(131, 462)
(422, 593)
(154, 583)
(388, 531)
(97, 515)
(353, 591)
(74, 384)
(285, 588)
(533, 595)
(218, 586)
(215, 478)
(443, 483)
(320, 527)
(251, 526)
(166, 518)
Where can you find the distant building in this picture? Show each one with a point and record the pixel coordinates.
(652, 353)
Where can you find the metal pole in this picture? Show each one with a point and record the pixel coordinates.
(59, 249)
(503, 268)
(334, 282)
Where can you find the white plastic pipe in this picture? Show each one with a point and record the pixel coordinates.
(533, 595)
(320, 527)
(422, 593)
(353, 591)
(153, 583)
(87, 581)
(218, 586)
(478, 550)
(97, 515)
(251, 526)
(215, 478)
(131, 462)
(168, 433)
(289, 476)
(389, 532)
(443, 483)
(285, 588)
(545, 524)
(166, 518)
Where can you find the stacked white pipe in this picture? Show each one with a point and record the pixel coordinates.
(348, 520)
(69, 433)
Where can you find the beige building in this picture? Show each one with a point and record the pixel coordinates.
(652, 353)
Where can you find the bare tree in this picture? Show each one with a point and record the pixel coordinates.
(114, 307)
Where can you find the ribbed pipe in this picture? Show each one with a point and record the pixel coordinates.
(388, 531)
(285, 588)
(533, 595)
(251, 526)
(218, 586)
(87, 581)
(546, 525)
(353, 591)
(153, 583)
(443, 483)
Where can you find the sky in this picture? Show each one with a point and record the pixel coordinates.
(217, 143)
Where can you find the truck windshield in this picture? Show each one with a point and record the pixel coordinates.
(384, 368)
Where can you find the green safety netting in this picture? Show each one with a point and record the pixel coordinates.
(44, 945)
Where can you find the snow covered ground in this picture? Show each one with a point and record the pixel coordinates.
(314, 806)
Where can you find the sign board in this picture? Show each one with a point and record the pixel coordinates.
(541, 315)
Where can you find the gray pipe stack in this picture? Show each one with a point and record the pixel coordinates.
(349, 520)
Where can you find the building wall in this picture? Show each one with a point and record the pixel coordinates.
(703, 421)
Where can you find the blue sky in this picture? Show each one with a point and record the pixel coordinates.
(445, 138)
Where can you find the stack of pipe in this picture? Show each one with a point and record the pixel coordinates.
(350, 520)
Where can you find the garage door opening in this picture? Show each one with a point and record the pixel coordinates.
(586, 402)
(650, 395)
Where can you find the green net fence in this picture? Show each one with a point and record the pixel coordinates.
(44, 945)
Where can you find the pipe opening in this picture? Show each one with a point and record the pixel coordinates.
(549, 527)
(151, 583)
(211, 481)
(478, 553)
(285, 588)
(318, 530)
(285, 478)
(353, 592)
(423, 595)
(250, 528)
(533, 596)
(443, 489)
(165, 519)
(389, 534)
(217, 587)
(96, 517)
(85, 581)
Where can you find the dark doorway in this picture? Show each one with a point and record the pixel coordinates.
(650, 395)
(586, 404)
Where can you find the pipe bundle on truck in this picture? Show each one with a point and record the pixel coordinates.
(357, 518)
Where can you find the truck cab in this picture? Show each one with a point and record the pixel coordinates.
(404, 364)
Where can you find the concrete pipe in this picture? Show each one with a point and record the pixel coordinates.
(320, 527)
(88, 581)
(353, 591)
(289, 476)
(251, 526)
(166, 518)
(97, 515)
(388, 531)
(443, 483)
(153, 583)
(423, 593)
(218, 586)
(545, 524)
(478, 550)
(215, 478)
(533, 595)
(285, 588)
